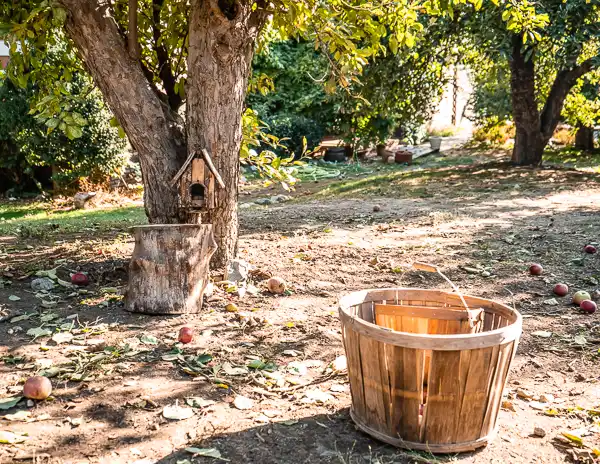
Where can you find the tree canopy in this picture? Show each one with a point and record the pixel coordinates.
(548, 47)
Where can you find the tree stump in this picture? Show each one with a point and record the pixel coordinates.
(169, 268)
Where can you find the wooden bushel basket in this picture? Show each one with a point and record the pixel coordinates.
(427, 367)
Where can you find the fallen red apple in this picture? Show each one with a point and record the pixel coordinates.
(186, 334)
(561, 289)
(536, 269)
(588, 306)
(276, 285)
(580, 296)
(591, 249)
(79, 278)
(37, 388)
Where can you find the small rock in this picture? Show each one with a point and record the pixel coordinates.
(539, 432)
(280, 198)
(80, 199)
(95, 345)
(486, 274)
(509, 406)
(376, 208)
(263, 201)
(524, 394)
(546, 398)
(551, 302)
(537, 406)
(340, 364)
(30, 404)
(243, 402)
(42, 284)
(472, 270)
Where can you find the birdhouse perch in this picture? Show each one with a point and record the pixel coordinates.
(197, 178)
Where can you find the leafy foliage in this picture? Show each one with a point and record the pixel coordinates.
(395, 90)
(294, 104)
(560, 39)
(259, 150)
(27, 141)
(347, 34)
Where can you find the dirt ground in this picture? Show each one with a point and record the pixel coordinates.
(115, 372)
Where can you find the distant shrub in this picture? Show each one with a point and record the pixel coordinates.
(495, 132)
(28, 145)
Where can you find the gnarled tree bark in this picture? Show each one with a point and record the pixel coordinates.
(222, 36)
(168, 271)
(221, 45)
(534, 129)
(151, 127)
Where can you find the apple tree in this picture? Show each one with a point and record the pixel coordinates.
(548, 46)
(175, 72)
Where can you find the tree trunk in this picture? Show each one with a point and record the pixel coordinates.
(168, 271)
(534, 130)
(148, 123)
(529, 145)
(221, 45)
(584, 138)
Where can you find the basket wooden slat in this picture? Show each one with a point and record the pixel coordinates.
(424, 382)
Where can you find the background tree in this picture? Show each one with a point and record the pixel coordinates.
(194, 56)
(525, 34)
(492, 103)
(399, 89)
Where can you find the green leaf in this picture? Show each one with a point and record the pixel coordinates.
(7, 403)
(203, 358)
(147, 339)
(38, 332)
(256, 364)
(73, 132)
(574, 438)
(52, 123)
(206, 452)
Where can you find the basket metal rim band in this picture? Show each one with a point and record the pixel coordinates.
(432, 448)
(449, 342)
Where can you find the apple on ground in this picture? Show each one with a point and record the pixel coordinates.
(579, 296)
(536, 269)
(561, 289)
(186, 335)
(588, 306)
(37, 388)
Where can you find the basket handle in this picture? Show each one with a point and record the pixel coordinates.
(431, 268)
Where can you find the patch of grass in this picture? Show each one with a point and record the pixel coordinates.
(14, 210)
(447, 131)
(443, 161)
(573, 158)
(29, 221)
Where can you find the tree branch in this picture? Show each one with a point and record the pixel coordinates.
(132, 36)
(165, 71)
(563, 83)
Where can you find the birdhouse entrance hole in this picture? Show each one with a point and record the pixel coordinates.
(197, 194)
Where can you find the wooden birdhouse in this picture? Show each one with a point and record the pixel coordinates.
(196, 179)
